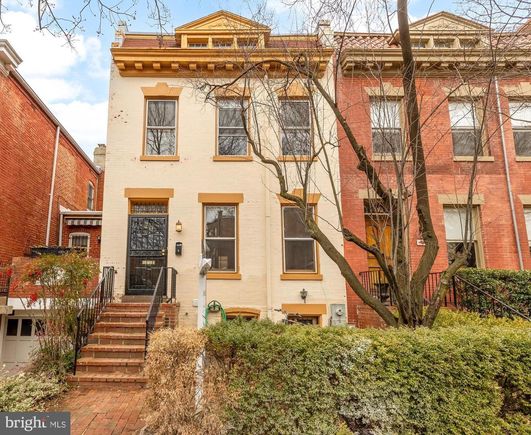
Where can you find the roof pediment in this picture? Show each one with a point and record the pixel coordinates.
(221, 21)
(446, 22)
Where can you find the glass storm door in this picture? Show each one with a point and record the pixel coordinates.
(147, 253)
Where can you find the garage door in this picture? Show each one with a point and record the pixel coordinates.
(19, 341)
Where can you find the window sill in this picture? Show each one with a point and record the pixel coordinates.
(296, 159)
(523, 158)
(232, 158)
(471, 158)
(224, 275)
(301, 277)
(387, 158)
(159, 158)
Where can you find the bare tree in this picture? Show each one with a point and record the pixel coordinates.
(399, 188)
(58, 23)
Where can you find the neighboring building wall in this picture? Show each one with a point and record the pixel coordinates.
(27, 139)
(447, 176)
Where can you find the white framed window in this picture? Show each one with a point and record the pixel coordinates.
(300, 251)
(198, 43)
(521, 122)
(295, 128)
(161, 128)
(232, 139)
(220, 236)
(386, 127)
(466, 132)
(527, 216)
(222, 43)
(79, 241)
(90, 196)
(455, 224)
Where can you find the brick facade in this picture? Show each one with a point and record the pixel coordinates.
(446, 175)
(27, 141)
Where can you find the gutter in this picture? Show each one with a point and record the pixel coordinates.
(508, 176)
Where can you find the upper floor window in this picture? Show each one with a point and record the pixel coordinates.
(460, 230)
(299, 247)
(199, 43)
(220, 236)
(90, 196)
(232, 138)
(466, 132)
(79, 241)
(295, 123)
(443, 43)
(161, 122)
(386, 130)
(521, 123)
(222, 43)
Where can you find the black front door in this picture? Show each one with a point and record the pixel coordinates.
(146, 252)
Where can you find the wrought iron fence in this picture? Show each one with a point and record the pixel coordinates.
(462, 294)
(5, 279)
(92, 307)
(473, 298)
(378, 286)
(159, 294)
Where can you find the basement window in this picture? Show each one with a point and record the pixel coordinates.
(79, 241)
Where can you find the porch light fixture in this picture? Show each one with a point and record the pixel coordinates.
(304, 294)
(178, 226)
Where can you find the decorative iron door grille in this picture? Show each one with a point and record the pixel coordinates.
(147, 253)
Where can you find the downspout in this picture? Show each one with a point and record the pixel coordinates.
(52, 186)
(508, 176)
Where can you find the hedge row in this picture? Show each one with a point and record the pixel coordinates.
(472, 378)
(510, 286)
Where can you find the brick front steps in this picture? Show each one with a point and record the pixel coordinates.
(114, 354)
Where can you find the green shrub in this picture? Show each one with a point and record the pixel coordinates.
(28, 391)
(510, 286)
(473, 378)
(451, 318)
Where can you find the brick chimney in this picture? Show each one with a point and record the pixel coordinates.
(99, 155)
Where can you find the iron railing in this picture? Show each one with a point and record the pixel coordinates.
(160, 293)
(473, 298)
(462, 294)
(5, 279)
(92, 306)
(378, 287)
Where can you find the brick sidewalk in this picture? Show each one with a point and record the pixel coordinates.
(104, 410)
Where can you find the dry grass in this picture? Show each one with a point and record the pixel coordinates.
(172, 375)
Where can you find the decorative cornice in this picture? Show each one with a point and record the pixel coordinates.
(172, 62)
(432, 60)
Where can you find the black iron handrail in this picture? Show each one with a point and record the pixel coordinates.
(377, 285)
(159, 293)
(462, 294)
(92, 307)
(473, 298)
